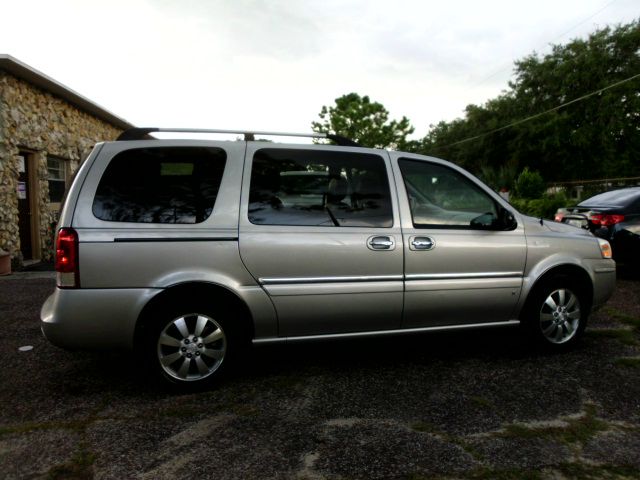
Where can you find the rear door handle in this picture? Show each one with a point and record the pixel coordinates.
(381, 243)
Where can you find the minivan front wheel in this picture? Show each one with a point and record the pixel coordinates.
(190, 349)
(556, 314)
(560, 315)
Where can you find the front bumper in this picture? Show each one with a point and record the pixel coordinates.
(93, 318)
(603, 274)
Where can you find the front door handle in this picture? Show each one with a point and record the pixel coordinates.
(381, 243)
(421, 243)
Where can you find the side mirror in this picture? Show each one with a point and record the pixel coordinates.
(486, 221)
(507, 220)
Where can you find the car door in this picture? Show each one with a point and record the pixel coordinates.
(320, 232)
(463, 263)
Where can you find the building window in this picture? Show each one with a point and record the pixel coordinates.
(56, 178)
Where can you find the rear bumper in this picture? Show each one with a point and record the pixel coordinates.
(93, 318)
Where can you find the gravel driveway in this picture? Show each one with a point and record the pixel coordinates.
(476, 405)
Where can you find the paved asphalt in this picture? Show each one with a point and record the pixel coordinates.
(479, 406)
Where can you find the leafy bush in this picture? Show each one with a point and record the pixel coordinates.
(544, 207)
(503, 177)
(529, 184)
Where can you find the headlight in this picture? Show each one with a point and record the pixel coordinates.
(605, 248)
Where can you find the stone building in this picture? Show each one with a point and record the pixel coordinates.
(46, 130)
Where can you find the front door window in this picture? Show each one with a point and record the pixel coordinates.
(440, 197)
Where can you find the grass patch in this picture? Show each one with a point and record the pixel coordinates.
(623, 335)
(582, 429)
(244, 410)
(197, 411)
(80, 467)
(631, 362)
(486, 473)
(516, 430)
(77, 426)
(423, 427)
(623, 317)
(481, 402)
(509, 474)
(576, 430)
(580, 471)
(185, 411)
(566, 471)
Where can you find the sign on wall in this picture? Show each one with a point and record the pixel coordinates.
(22, 190)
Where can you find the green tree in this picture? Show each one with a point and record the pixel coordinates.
(462, 140)
(596, 137)
(593, 138)
(365, 122)
(498, 178)
(529, 184)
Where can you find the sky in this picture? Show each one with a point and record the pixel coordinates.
(272, 65)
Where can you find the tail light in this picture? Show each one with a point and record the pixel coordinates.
(558, 217)
(605, 220)
(67, 258)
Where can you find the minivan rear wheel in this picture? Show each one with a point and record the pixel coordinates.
(556, 313)
(190, 347)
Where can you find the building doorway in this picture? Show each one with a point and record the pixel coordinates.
(27, 207)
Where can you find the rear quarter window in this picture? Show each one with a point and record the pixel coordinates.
(166, 185)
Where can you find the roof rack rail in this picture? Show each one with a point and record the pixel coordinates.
(143, 133)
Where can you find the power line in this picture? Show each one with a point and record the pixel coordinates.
(542, 46)
(584, 21)
(523, 120)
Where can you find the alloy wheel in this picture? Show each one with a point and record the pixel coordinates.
(191, 347)
(560, 316)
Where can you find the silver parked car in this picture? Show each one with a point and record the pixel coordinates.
(187, 250)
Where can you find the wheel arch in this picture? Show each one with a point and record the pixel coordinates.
(219, 296)
(575, 272)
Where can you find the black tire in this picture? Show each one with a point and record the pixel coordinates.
(556, 312)
(190, 347)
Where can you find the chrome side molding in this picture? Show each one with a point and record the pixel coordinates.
(381, 333)
(386, 278)
(462, 276)
(300, 280)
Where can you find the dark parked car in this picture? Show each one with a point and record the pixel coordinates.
(614, 216)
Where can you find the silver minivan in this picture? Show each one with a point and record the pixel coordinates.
(185, 251)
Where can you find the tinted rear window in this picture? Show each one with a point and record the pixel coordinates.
(620, 198)
(160, 185)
